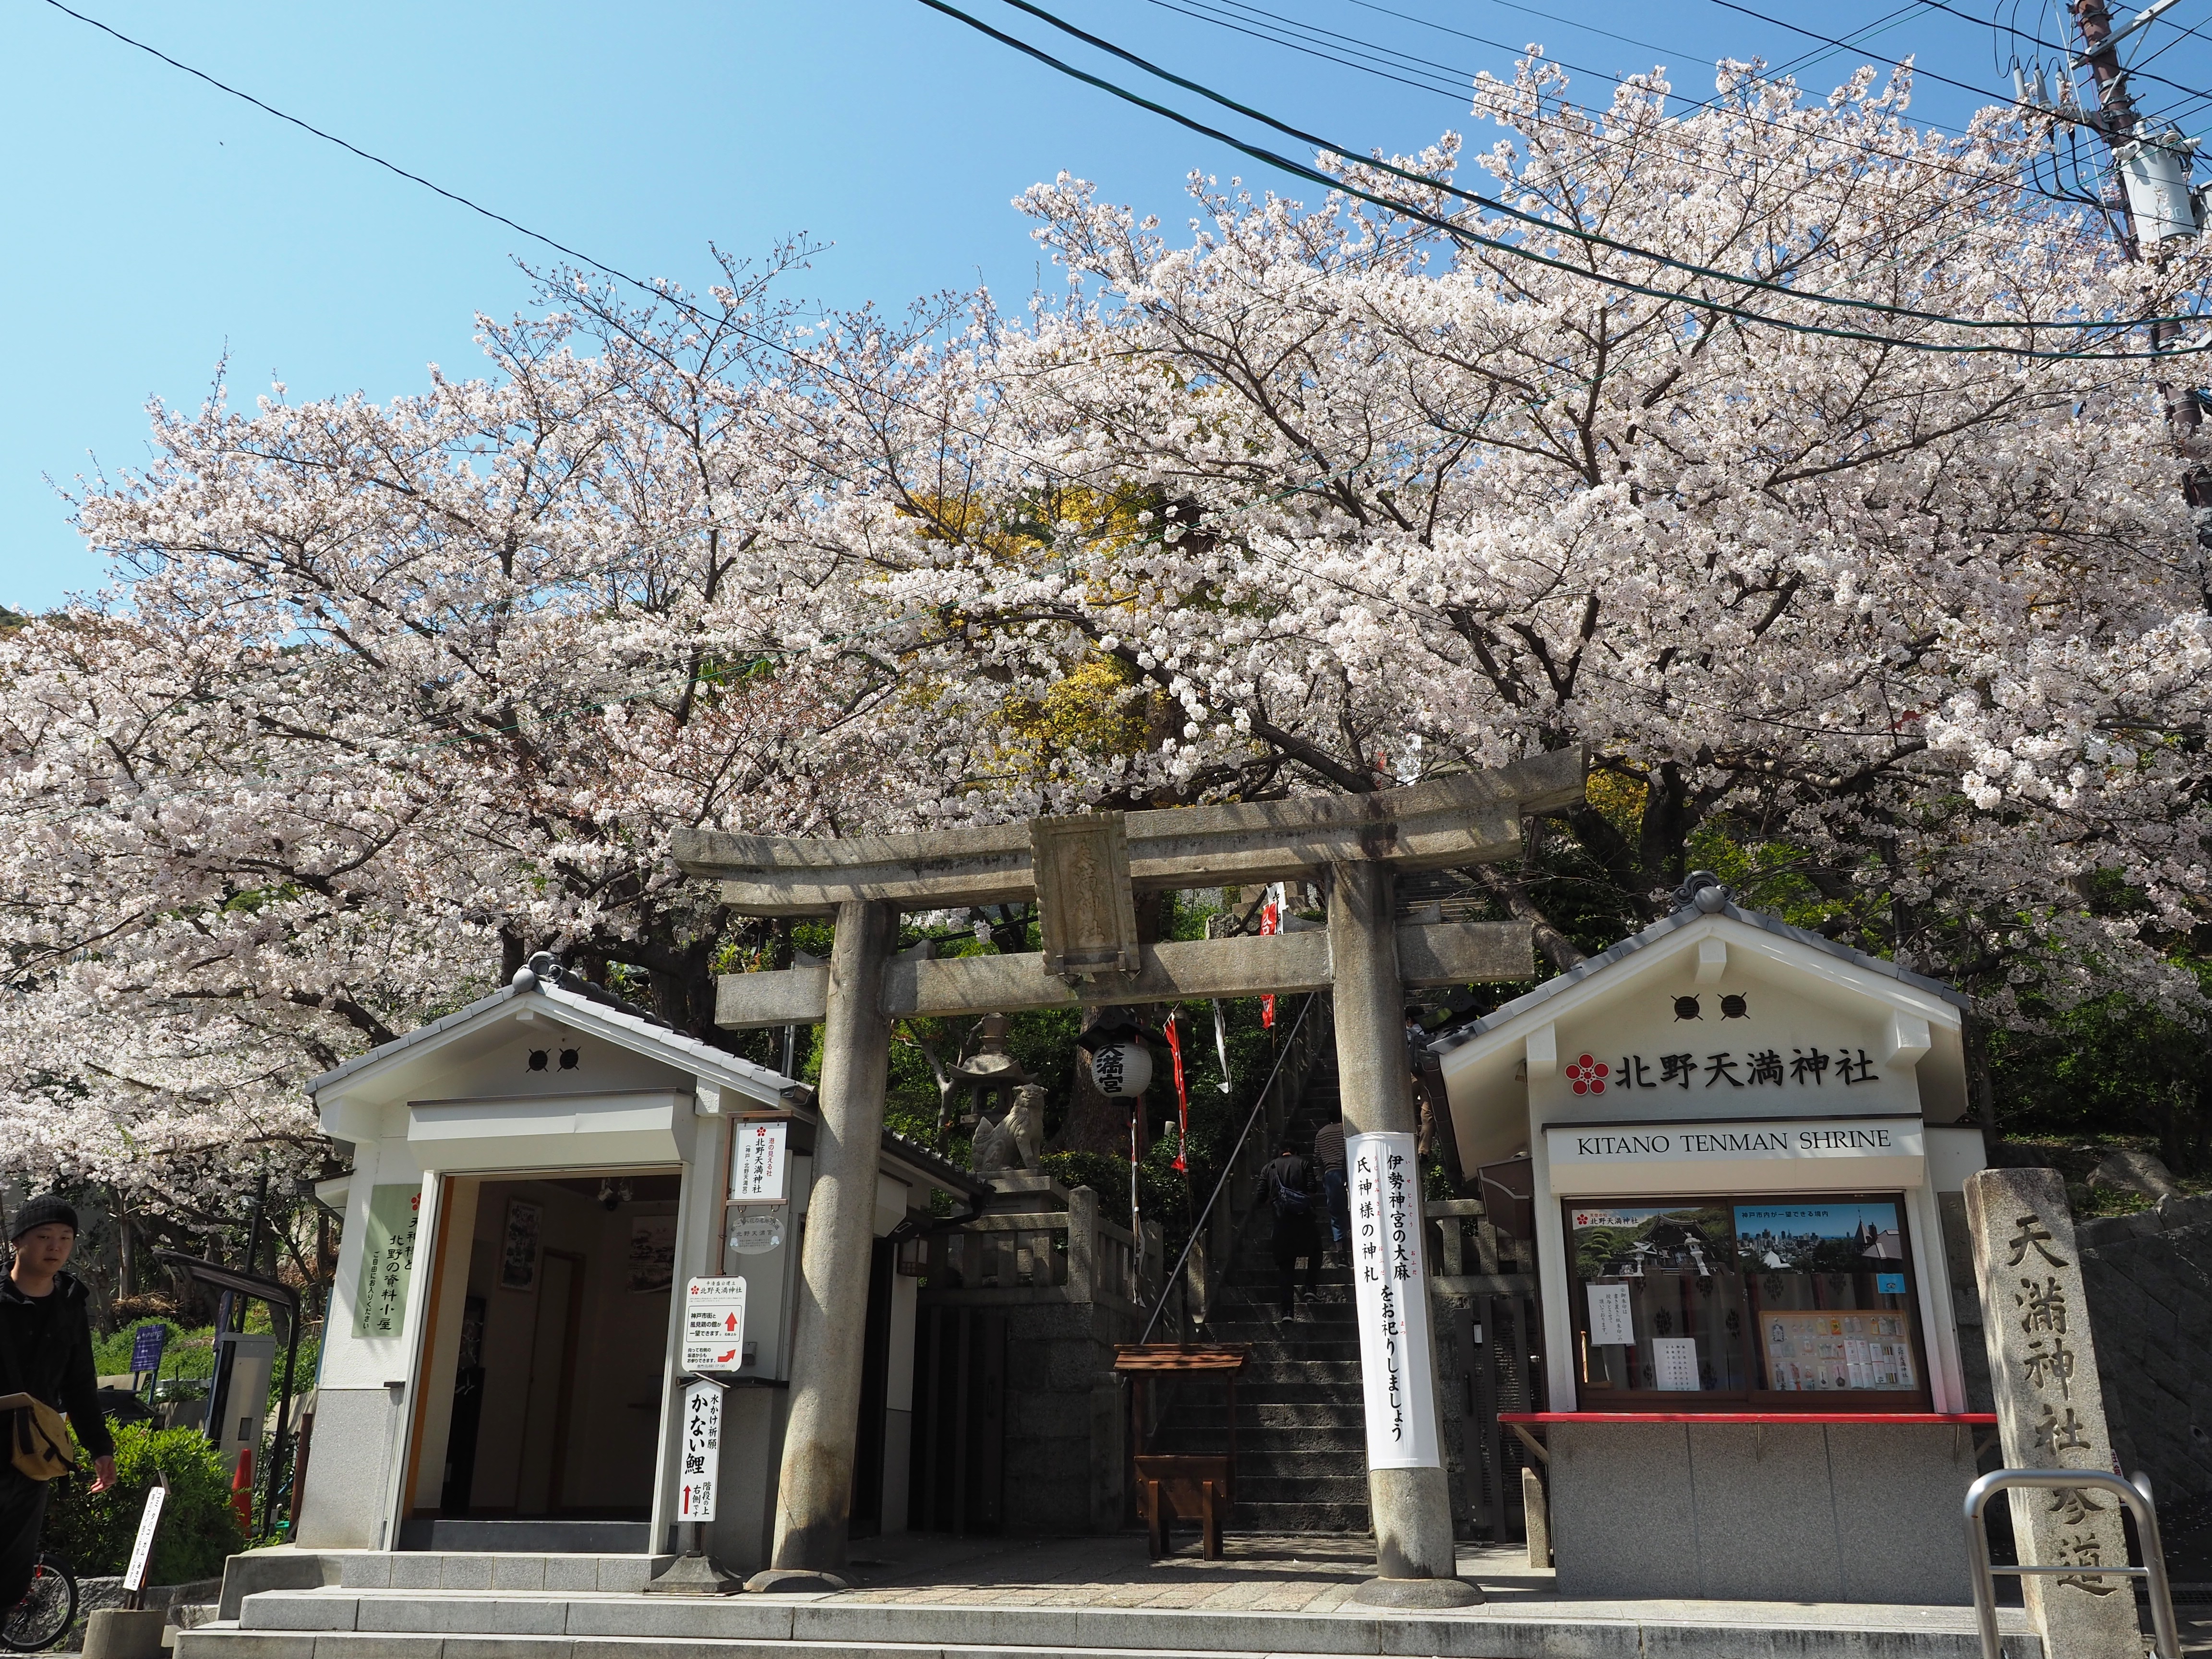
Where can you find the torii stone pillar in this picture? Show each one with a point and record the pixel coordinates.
(1411, 1507)
(1093, 955)
(816, 1483)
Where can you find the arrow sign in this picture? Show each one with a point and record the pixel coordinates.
(714, 1324)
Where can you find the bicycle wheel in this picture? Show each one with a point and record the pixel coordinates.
(47, 1610)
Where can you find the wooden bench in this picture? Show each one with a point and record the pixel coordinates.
(1171, 1489)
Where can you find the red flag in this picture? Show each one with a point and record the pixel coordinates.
(1271, 921)
(1182, 1097)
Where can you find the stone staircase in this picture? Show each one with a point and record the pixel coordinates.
(1301, 1439)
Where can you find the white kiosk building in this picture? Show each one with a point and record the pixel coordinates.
(534, 1177)
(1729, 1140)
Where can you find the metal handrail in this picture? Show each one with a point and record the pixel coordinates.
(2135, 1494)
(1228, 1168)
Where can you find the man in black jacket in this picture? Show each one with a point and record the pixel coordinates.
(1288, 1186)
(46, 1350)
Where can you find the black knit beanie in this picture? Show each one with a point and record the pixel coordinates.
(39, 1211)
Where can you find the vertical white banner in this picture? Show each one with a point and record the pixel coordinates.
(703, 1451)
(1397, 1367)
(141, 1548)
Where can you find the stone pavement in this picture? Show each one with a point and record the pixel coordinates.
(1300, 1572)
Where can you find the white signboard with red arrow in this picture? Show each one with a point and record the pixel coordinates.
(714, 1325)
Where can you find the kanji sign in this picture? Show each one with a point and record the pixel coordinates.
(702, 1447)
(387, 1259)
(757, 1161)
(2050, 1411)
(714, 1324)
(142, 1548)
(1390, 1294)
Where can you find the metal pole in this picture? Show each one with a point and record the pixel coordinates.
(2115, 122)
(2135, 1494)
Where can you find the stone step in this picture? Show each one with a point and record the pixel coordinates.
(1296, 1394)
(1329, 1487)
(1256, 1446)
(1481, 1634)
(332, 1624)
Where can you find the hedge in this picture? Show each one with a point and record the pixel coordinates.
(198, 1532)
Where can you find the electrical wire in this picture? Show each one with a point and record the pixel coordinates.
(1458, 94)
(1552, 227)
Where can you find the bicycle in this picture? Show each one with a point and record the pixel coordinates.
(46, 1611)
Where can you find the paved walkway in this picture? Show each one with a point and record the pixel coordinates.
(1294, 1573)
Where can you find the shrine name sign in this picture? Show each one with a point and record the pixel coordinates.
(1727, 1155)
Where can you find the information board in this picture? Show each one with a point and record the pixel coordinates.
(714, 1324)
(1397, 1368)
(146, 1345)
(702, 1447)
(757, 1161)
(1612, 1318)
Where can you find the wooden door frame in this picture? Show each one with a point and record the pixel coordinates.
(418, 1418)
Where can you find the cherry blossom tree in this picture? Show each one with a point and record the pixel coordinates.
(1784, 455)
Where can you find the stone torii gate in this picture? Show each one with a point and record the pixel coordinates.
(1083, 872)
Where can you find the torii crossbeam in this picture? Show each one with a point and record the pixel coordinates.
(1082, 871)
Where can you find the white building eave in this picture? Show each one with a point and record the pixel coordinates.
(608, 1021)
(1665, 941)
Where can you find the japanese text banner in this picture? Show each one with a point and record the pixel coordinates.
(1390, 1294)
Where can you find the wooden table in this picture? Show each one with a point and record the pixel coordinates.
(1199, 1488)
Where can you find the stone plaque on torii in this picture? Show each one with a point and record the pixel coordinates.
(1083, 872)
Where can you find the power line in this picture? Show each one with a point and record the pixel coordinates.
(1458, 94)
(1451, 227)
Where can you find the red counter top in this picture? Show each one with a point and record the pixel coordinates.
(1977, 1420)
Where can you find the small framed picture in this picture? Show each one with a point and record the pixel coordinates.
(525, 1228)
(651, 1254)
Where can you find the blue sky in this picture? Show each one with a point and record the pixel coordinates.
(157, 226)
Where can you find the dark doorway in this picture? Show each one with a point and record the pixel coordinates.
(468, 1412)
(867, 1508)
(959, 1420)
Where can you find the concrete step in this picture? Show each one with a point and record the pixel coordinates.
(334, 1624)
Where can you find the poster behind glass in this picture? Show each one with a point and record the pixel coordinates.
(1662, 1296)
(1829, 1295)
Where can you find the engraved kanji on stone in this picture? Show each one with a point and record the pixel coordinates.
(2043, 1308)
(2032, 1233)
(2058, 1434)
(2071, 1504)
(2082, 1550)
(2049, 1360)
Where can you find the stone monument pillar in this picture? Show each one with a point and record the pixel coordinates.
(815, 1490)
(1411, 1507)
(2050, 1410)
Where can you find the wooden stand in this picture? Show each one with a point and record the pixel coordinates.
(1199, 1488)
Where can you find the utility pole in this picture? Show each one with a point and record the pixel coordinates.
(2154, 173)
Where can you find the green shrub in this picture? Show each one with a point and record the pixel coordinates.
(198, 1527)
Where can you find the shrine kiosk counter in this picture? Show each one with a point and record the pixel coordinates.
(1734, 1151)
(538, 1179)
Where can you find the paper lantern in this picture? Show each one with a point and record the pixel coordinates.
(1121, 1071)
